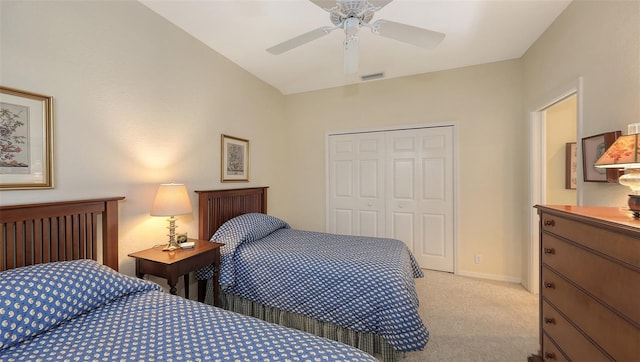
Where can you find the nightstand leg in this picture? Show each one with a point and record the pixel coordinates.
(186, 286)
(173, 290)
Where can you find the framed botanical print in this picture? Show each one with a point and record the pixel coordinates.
(26, 140)
(235, 159)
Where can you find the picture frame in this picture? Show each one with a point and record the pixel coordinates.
(26, 140)
(571, 171)
(235, 159)
(592, 148)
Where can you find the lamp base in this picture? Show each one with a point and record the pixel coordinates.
(170, 247)
(634, 205)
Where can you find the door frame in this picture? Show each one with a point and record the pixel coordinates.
(455, 160)
(537, 170)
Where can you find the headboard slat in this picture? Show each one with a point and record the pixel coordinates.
(38, 248)
(59, 239)
(57, 231)
(217, 206)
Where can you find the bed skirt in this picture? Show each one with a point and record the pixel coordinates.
(368, 342)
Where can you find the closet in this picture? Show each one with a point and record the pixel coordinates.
(397, 184)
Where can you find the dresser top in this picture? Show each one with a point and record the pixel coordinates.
(611, 216)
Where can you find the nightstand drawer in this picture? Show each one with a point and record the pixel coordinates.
(614, 284)
(572, 341)
(611, 332)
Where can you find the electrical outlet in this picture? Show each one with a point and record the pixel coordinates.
(477, 258)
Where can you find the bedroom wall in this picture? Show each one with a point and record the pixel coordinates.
(600, 42)
(137, 102)
(485, 104)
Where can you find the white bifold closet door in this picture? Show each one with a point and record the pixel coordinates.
(396, 184)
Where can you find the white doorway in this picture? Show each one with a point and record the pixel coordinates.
(539, 171)
(561, 159)
(397, 184)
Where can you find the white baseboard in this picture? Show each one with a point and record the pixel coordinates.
(498, 277)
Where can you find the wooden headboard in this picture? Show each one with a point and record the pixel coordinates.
(58, 231)
(217, 206)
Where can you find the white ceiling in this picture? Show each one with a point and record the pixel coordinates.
(477, 32)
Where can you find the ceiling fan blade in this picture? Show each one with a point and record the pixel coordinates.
(379, 3)
(350, 63)
(409, 34)
(300, 40)
(325, 4)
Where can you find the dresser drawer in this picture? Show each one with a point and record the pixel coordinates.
(612, 333)
(573, 343)
(550, 351)
(614, 284)
(623, 247)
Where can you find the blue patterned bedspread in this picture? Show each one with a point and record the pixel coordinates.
(140, 324)
(365, 284)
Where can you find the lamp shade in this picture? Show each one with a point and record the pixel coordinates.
(171, 199)
(623, 153)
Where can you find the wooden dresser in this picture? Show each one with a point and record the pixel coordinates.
(589, 284)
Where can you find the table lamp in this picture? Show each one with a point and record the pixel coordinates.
(625, 153)
(171, 200)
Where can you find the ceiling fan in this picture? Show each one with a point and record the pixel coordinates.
(351, 15)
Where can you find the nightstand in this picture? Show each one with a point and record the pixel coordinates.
(171, 265)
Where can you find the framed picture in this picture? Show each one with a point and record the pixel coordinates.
(592, 148)
(26, 140)
(235, 159)
(571, 171)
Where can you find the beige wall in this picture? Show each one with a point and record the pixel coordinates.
(137, 102)
(483, 101)
(600, 42)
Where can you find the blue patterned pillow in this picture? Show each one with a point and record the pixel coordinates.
(240, 229)
(35, 298)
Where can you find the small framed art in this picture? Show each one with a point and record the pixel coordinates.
(235, 159)
(592, 148)
(26, 140)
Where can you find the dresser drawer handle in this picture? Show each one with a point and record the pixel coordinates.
(549, 251)
(549, 285)
(549, 321)
(550, 222)
(549, 355)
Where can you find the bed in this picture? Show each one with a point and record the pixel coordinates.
(357, 290)
(61, 298)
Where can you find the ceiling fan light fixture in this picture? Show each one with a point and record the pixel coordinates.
(351, 26)
(350, 63)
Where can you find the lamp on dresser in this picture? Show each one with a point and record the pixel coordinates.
(171, 200)
(625, 153)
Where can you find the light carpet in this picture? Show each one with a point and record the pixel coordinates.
(476, 320)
